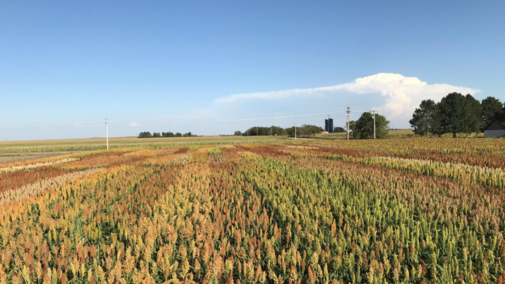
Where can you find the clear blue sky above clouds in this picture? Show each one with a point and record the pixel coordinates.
(209, 66)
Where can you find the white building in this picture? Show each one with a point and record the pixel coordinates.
(494, 130)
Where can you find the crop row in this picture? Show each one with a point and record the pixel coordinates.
(254, 215)
(493, 147)
(494, 177)
(429, 235)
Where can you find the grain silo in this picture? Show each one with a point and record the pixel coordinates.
(328, 124)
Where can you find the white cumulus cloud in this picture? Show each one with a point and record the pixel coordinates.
(133, 124)
(403, 94)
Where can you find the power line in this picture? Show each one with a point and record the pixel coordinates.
(272, 117)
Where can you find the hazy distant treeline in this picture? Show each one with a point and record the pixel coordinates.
(148, 134)
(304, 130)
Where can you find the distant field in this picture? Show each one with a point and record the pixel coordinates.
(42, 147)
(13, 151)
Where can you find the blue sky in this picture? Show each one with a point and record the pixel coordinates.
(213, 67)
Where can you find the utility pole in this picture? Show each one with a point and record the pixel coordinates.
(107, 126)
(348, 115)
(374, 112)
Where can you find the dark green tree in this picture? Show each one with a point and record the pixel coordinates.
(146, 134)
(156, 134)
(338, 129)
(492, 109)
(307, 130)
(237, 133)
(253, 131)
(426, 118)
(473, 118)
(276, 130)
(382, 126)
(436, 127)
(290, 131)
(261, 130)
(364, 128)
(453, 109)
(167, 134)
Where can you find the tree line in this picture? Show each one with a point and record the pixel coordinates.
(304, 130)
(360, 129)
(456, 113)
(148, 134)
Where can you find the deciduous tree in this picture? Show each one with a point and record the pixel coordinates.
(426, 118)
(492, 109)
(338, 129)
(364, 128)
(473, 117)
(145, 134)
(453, 109)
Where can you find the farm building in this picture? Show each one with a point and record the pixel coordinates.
(494, 130)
